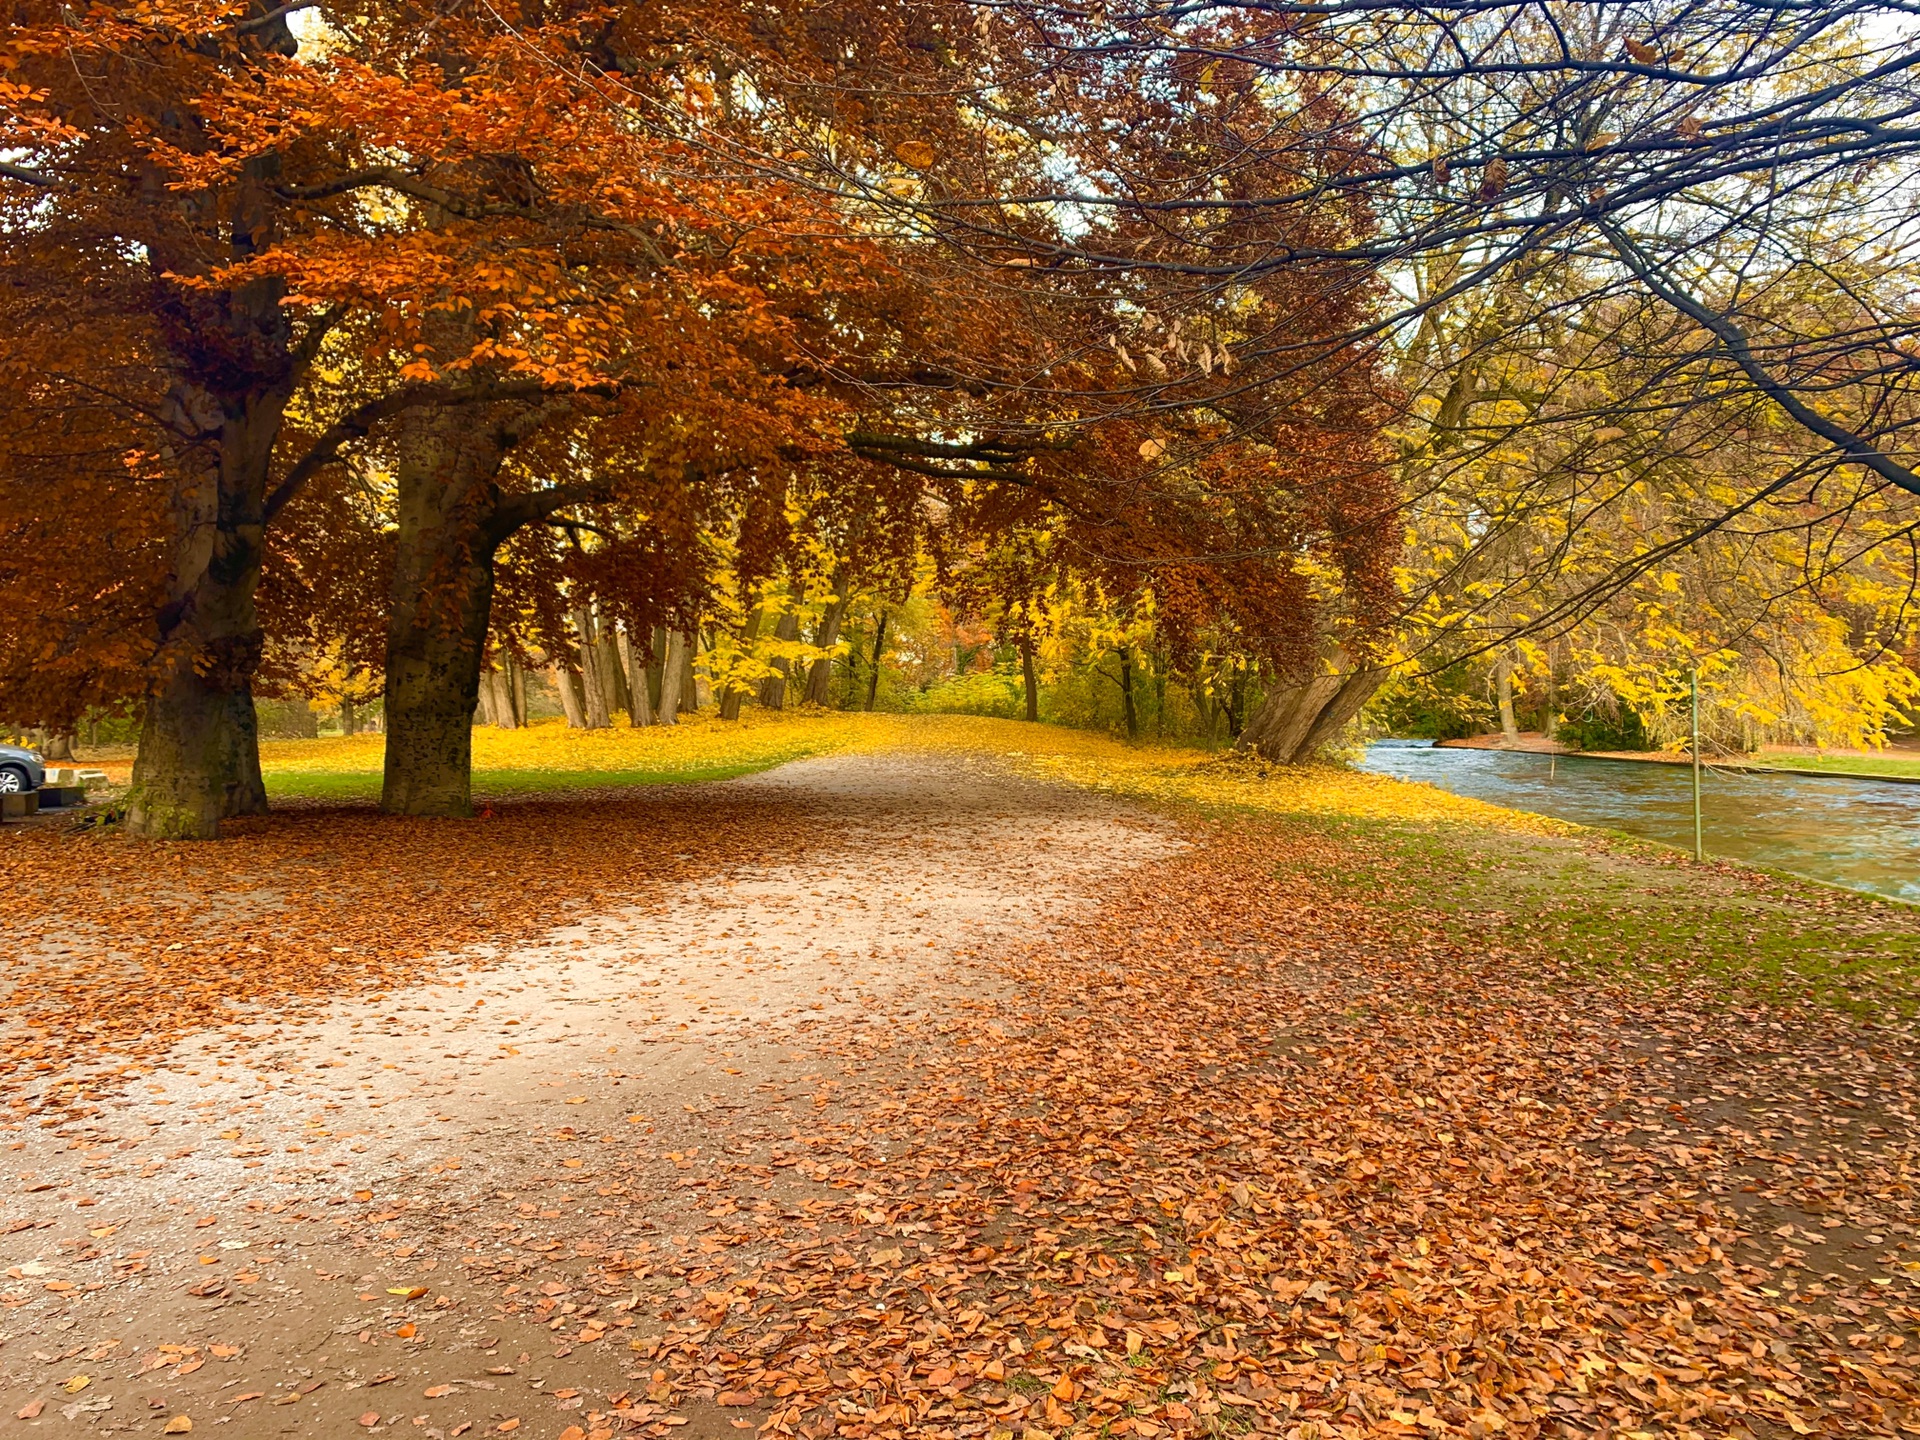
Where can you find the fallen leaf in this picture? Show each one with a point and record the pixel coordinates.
(178, 1425)
(434, 1392)
(370, 1419)
(75, 1384)
(407, 1292)
(31, 1410)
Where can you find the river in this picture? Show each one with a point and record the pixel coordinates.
(1864, 834)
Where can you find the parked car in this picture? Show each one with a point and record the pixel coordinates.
(20, 770)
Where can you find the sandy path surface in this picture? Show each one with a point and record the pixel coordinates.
(317, 1227)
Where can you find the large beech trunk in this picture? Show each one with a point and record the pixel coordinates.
(234, 367)
(437, 620)
(199, 757)
(1296, 720)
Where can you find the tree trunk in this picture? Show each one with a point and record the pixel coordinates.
(489, 711)
(1027, 677)
(879, 653)
(612, 672)
(59, 745)
(1296, 720)
(820, 676)
(699, 686)
(517, 687)
(773, 689)
(349, 721)
(1503, 688)
(199, 756)
(438, 612)
(499, 695)
(568, 684)
(673, 675)
(1550, 724)
(593, 686)
(735, 692)
(639, 702)
(689, 678)
(1126, 695)
(306, 724)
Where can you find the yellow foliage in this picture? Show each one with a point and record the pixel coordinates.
(704, 745)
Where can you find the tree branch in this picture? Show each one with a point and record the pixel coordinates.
(357, 422)
(1740, 350)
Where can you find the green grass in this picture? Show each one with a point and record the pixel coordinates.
(1622, 909)
(351, 785)
(1844, 764)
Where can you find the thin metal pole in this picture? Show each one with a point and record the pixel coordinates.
(1699, 849)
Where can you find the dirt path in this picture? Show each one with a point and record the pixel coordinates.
(235, 1228)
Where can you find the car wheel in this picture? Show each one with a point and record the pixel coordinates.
(13, 780)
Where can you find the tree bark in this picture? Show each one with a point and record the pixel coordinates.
(879, 652)
(773, 689)
(59, 745)
(612, 672)
(1127, 711)
(593, 685)
(1503, 690)
(571, 703)
(735, 693)
(199, 756)
(673, 677)
(1294, 721)
(234, 366)
(699, 686)
(639, 702)
(438, 611)
(1028, 678)
(820, 676)
(517, 685)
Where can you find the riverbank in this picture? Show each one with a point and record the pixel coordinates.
(1900, 763)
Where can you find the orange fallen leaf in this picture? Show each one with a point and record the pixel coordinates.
(370, 1419)
(735, 1397)
(31, 1410)
(178, 1425)
(507, 1425)
(225, 1352)
(434, 1392)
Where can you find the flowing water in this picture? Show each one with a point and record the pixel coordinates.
(1860, 833)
